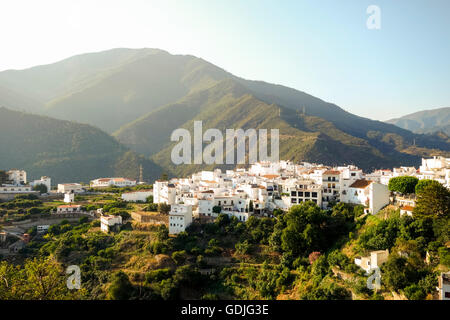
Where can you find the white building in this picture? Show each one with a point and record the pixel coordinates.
(135, 196)
(296, 191)
(112, 182)
(372, 195)
(109, 222)
(375, 260)
(69, 197)
(444, 286)
(42, 228)
(16, 189)
(46, 181)
(70, 188)
(17, 177)
(164, 192)
(180, 217)
(69, 208)
(406, 210)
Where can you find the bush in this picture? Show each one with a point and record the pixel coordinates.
(157, 275)
(179, 257)
(444, 256)
(415, 292)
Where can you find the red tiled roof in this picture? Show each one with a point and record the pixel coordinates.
(333, 172)
(270, 176)
(361, 184)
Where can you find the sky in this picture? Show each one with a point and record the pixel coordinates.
(321, 47)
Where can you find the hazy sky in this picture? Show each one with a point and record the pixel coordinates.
(321, 47)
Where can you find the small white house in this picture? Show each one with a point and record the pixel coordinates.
(68, 208)
(112, 182)
(46, 181)
(134, 196)
(408, 210)
(70, 187)
(42, 228)
(373, 195)
(444, 286)
(375, 260)
(180, 217)
(109, 222)
(69, 197)
(17, 177)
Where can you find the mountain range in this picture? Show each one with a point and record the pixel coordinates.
(427, 121)
(137, 97)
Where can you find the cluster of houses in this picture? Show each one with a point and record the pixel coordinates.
(267, 186)
(17, 184)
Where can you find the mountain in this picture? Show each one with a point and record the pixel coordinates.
(111, 88)
(141, 96)
(427, 121)
(304, 136)
(65, 151)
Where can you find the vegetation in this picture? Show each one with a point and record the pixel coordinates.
(305, 253)
(403, 184)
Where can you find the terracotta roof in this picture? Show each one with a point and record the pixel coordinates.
(407, 208)
(332, 172)
(270, 176)
(361, 184)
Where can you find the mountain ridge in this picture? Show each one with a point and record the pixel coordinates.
(141, 95)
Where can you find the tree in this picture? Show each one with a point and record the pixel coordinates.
(422, 184)
(149, 199)
(433, 200)
(120, 287)
(39, 279)
(217, 209)
(163, 208)
(306, 230)
(162, 233)
(403, 184)
(42, 188)
(250, 206)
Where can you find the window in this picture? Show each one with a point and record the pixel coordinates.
(293, 200)
(300, 194)
(293, 193)
(353, 174)
(447, 294)
(314, 194)
(307, 194)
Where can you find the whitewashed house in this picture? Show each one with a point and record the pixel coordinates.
(135, 196)
(373, 195)
(180, 217)
(375, 260)
(108, 223)
(70, 188)
(46, 181)
(70, 208)
(444, 286)
(112, 182)
(17, 177)
(69, 197)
